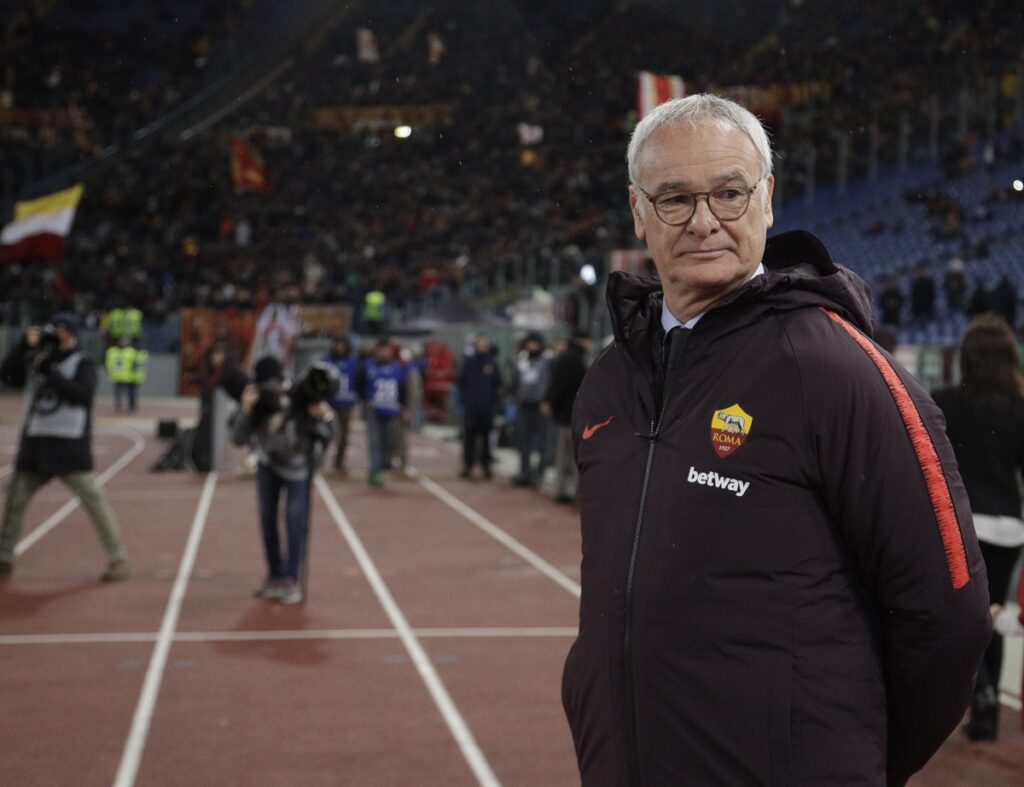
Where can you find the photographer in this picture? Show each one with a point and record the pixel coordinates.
(290, 426)
(56, 436)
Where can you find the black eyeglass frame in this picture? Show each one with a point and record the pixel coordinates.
(696, 196)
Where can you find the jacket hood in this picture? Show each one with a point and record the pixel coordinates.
(799, 273)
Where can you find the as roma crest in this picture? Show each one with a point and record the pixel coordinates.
(729, 429)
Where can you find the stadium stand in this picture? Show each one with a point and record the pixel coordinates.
(513, 171)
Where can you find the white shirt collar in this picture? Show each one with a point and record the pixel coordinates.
(670, 321)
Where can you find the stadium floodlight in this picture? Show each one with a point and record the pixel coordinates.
(402, 132)
(588, 274)
(1018, 185)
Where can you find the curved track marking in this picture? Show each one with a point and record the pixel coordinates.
(456, 724)
(138, 444)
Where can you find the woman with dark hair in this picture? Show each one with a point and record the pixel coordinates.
(985, 424)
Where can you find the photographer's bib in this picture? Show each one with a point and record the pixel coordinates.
(48, 414)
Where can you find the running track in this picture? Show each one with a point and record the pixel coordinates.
(429, 651)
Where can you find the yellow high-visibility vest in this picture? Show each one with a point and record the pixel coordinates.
(120, 363)
(141, 361)
(373, 306)
(124, 322)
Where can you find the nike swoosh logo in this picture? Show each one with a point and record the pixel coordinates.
(589, 431)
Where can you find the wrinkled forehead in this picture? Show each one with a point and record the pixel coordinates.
(691, 156)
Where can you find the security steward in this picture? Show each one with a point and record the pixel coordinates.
(126, 367)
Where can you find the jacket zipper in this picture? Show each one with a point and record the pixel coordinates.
(632, 738)
(632, 733)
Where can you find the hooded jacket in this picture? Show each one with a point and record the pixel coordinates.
(780, 579)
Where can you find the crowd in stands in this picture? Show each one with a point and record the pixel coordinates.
(521, 167)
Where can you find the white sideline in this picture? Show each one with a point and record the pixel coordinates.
(136, 742)
(456, 724)
(501, 536)
(138, 444)
(526, 632)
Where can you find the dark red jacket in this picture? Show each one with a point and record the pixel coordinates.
(781, 582)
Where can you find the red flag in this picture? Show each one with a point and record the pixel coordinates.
(248, 172)
(654, 89)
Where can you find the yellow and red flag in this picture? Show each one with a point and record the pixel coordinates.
(248, 172)
(40, 226)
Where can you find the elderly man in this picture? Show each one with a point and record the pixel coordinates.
(781, 581)
(56, 438)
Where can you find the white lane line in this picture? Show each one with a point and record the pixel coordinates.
(501, 536)
(456, 724)
(529, 632)
(136, 742)
(138, 444)
(1010, 700)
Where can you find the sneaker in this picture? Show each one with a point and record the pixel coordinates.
(376, 479)
(291, 593)
(116, 571)
(6, 569)
(271, 588)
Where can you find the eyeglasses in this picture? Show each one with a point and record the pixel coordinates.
(676, 208)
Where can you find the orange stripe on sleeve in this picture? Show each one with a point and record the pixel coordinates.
(927, 457)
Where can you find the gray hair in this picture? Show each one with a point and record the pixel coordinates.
(700, 109)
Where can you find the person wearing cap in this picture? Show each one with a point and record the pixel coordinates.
(56, 438)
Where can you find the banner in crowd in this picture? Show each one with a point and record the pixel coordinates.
(277, 329)
(436, 49)
(380, 116)
(40, 226)
(248, 172)
(770, 99)
(201, 328)
(325, 319)
(366, 46)
(655, 89)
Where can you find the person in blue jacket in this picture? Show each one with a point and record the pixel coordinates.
(341, 357)
(382, 386)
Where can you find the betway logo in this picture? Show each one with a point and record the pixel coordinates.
(713, 479)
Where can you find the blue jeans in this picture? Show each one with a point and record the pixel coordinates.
(296, 518)
(382, 439)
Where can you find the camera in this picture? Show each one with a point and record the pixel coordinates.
(48, 340)
(318, 384)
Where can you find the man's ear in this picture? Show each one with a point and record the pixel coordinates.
(638, 220)
(769, 190)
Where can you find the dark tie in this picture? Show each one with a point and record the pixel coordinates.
(672, 347)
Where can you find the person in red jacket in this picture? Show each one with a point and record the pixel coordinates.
(780, 578)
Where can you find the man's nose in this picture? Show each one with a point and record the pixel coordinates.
(703, 222)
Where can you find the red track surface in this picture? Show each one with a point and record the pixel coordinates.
(179, 677)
